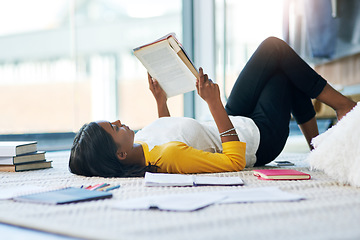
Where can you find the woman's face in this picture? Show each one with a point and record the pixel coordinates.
(123, 136)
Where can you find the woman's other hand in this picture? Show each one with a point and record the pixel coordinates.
(160, 97)
(154, 86)
(207, 89)
(210, 92)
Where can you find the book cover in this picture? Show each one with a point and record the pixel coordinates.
(25, 166)
(15, 148)
(25, 158)
(64, 195)
(281, 174)
(166, 60)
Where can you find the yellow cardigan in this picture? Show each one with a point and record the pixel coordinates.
(177, 157)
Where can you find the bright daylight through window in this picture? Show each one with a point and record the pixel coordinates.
(69, 62)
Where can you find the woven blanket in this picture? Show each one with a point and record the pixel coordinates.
(331, 210)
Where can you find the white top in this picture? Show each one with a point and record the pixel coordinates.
(203, 136)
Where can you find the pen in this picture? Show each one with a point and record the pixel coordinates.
(112, 188)
(101, 186)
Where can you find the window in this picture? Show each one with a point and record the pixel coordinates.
(67, 62)
(241, 25)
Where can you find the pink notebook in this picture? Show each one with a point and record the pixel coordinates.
(281, 174)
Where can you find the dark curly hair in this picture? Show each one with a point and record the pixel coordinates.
(94, 154)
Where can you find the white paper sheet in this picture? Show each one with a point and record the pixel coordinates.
(174, 202)
(8, 193)
(166, 179)
(195, 201)
(218, 181)
(264, 194)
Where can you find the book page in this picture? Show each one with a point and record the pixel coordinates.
(197, 200)
(225, 181)
(261, 194)
(167, 179)
(10, 192)
(173, 202)
(163, 64)
(182, 55)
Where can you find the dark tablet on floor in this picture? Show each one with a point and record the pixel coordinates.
(64, 195)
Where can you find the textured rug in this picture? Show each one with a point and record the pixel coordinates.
(331, 210)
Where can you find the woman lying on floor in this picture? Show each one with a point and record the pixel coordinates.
(251, 130)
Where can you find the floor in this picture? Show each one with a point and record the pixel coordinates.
(13, 233)
(296, 144)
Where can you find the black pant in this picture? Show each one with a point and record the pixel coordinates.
(274, 83)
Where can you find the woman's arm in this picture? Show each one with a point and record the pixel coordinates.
(309, 130)
(160, 97)
(210, 92)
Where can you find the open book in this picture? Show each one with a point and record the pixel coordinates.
(166, 61)
(198, 200)
(166, 179)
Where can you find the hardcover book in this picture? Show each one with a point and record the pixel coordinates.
(15, 148)
(166, 60)
(281, 174)
(25, 166)
(25, 158)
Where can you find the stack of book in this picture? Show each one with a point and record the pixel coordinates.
(16, 156)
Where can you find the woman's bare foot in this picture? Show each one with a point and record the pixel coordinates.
(341, 112)
(340, 103)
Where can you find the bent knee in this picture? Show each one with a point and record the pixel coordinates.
(273, 40)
